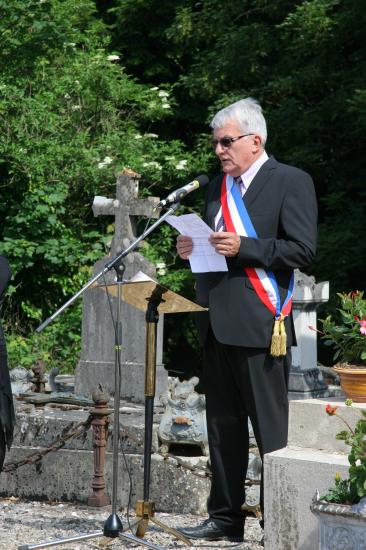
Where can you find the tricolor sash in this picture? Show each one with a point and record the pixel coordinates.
(264, 282)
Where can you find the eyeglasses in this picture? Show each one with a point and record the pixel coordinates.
(226, 141)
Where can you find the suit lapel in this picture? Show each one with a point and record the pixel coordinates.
(260, 181)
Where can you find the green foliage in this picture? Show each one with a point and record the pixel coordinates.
(343, 492)
(306, 63)
(70, 118)
(349, 336)
(57, 346)
(71, 115)
(351, 490)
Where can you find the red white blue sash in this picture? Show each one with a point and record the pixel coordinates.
(264, 282)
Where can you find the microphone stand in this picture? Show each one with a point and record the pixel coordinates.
(113, 526)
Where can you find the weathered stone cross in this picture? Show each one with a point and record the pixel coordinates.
(97, 360)
(125, 207)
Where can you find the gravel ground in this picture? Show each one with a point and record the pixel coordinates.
(30, 523)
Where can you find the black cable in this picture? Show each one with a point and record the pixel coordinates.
(114, 323)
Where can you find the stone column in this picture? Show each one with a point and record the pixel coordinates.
(306, 380)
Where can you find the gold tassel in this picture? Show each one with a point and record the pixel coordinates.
(278, 342)
(275, 342)
(283, 337)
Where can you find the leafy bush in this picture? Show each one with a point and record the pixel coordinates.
(70, 118)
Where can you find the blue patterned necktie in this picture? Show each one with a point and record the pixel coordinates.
(220, 226)
(239, 182)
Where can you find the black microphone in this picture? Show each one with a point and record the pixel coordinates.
(178, 194)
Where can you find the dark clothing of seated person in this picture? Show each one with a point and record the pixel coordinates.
(7, 416)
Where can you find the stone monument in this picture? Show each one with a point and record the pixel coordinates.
(97, 361)
(306, 380)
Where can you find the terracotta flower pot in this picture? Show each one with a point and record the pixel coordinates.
(353, 381)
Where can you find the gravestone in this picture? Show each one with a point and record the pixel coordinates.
(97, 361)
(306, 380)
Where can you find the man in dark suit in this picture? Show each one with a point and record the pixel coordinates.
(247, 356)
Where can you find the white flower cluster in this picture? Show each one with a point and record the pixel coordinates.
(113, 57)
(161, 268)
(164, 97)
(152, 164)
(105, 162)
(182, 165)
(139, 136)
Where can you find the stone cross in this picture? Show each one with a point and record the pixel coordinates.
(126, 207)
(97, 362)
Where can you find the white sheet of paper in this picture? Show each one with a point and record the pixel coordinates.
(204, 257)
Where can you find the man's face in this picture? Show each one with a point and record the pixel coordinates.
(241, 153)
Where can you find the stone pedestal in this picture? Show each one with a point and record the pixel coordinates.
(305, 378)
(178, 485)
(293, 474)
(97, 361)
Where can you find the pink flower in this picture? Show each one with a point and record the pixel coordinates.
(363, 326)
(310, 327)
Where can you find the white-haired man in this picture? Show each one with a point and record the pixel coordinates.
(264, 216)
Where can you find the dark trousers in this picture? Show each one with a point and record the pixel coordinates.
(2, 447)
(240, 383)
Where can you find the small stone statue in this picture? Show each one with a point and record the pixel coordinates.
(184, 418)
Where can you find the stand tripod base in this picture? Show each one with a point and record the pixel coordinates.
(145, 512)
(94, 535)
(112, 529)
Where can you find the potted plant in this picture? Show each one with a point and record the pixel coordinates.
(342, 511)
(348, 337)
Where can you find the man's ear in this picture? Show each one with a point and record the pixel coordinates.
(257, 143)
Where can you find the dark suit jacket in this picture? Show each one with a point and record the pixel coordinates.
(282, 205)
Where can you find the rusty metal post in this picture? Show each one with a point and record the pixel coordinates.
(38, 379)
(100, 422)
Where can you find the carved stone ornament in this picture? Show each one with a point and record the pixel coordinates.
(184, 418)
(341, 527)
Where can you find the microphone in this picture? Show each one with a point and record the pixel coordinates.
(178, 194)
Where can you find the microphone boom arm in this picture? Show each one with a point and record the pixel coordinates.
(108, 266)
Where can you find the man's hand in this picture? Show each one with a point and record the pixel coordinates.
(225, 243)
(184, 246)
